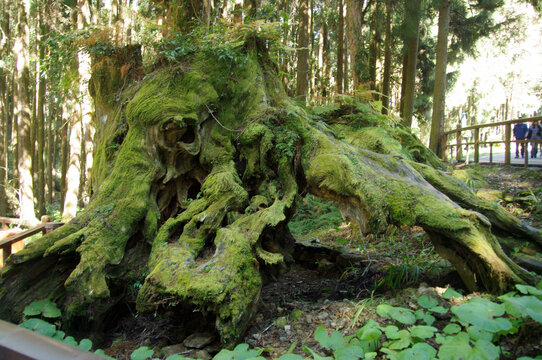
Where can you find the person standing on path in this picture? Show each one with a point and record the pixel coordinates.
(535, 132)
(520, 131)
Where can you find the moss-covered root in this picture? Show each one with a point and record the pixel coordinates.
(208, 257)
(462, 195)
(375, 190)
(477, 255)
(95, 240)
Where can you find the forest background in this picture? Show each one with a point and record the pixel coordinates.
(399, 55)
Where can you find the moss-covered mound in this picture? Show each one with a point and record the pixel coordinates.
(198, 168)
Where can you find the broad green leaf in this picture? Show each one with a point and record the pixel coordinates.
(451, 328)
(439, 309)
(241, 352)
(332, 342)
(484, 350)
(70, 341)
(420, 351)
(44, 307)
(455, 347)
(348, 352)
(403, 342)
(101, 353)
(428, 319)
(484, 314)
(450, 293)
(526, 289)
(525, 306)
(368, 333)
(141, 353)
(440, 339)
(427, 301)
(290, 357)
(400, 338)
(478, 334)
(422, 331)
(314, 354)
(85, 344)
(370, 355)
(391, 332)
(224, 354)
(402, 315)
(39, 326)
(59, 335)
(458, 348)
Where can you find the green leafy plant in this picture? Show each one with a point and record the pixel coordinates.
(473, 332)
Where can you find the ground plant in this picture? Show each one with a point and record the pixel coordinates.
(472, 328)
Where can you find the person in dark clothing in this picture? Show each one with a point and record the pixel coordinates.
(534, 133)
(520, 131)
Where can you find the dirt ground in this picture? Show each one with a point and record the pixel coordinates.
(341, 292)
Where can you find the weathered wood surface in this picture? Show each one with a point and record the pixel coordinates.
(11, 240)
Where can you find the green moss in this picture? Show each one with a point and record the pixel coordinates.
(255, 137)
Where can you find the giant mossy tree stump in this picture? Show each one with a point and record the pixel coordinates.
(197, 172)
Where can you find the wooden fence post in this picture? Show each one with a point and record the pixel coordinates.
(526, 153)
(507, 135)
(476, 145)
(490, 153)
(458, 142)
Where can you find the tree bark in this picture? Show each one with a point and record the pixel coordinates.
(303, 52)
(439, 93)
(376, 38)
(4, 106)
(22, 112)
(73, 171)
(40, 153)
(386, 81)
(340, 48)
(65, 152)
(412, 31)
(195, 186)
(353, 25)
(51, 152)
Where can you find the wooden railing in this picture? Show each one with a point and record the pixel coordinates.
(15, 240)
(17, 343)
(476, 143)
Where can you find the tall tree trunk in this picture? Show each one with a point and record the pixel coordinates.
(353, 24)
(51, 151)
(325, 63)
(40, 154)
(386, 82)
(65, 152)
(3, 143)
(376, 38)
(87, 125)
(4, 107)
(346, 66)
(73, 173)
(250, 8)
(23, 112)
(340, 49)
(412, 32)
(303, 52)
(439, 93)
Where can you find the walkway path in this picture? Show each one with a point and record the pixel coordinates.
(498, 158)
